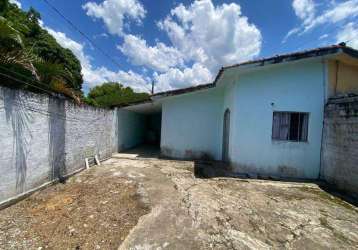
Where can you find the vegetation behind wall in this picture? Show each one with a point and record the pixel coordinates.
(30, 58)
(113, 94)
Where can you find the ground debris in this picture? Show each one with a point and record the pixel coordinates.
(93, 210)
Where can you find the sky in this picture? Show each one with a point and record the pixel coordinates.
(177, 44)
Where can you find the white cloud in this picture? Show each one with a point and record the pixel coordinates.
(331, 14)
(290, 33)
(114, 12)
(338, 12)
(212, 35)
(94, 76)
(175, 78)
(97, 76)
(304, 9)
(349, 34)
(207, 38)
(17, 2)
(324, 36)
(159, 57)
(203, 37)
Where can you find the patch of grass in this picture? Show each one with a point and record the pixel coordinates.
(288, 195)
(324, 196)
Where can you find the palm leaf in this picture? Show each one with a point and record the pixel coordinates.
(9, 36)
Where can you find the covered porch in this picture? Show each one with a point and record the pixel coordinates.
(140, 125)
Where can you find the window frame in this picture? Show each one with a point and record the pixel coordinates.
(290, 112)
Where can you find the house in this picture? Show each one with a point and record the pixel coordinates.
(264, 116)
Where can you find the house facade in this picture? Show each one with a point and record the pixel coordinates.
(292, 115)
(261, 117)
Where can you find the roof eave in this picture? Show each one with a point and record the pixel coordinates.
(286, 58)
(182, 91)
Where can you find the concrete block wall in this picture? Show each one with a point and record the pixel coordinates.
(340, 144)
(43, 138)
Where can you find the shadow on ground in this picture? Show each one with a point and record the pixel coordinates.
(215, 169)
(142, 151)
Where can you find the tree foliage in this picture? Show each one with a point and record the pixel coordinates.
(31, 58)
(29, 53)
(113, 94)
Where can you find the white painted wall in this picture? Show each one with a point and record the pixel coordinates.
(43, 138)
(131, 129)
(190, 125)
(292, 87)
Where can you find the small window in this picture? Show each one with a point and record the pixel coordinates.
(290, 126)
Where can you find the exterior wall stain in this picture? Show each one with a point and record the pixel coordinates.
(296, 87)
(192, 123)
(340, 144)
(287, 171)
(188, 155)
(43, 138)
(266, 172)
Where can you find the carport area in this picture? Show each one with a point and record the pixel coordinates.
(140, 124)
(137, 201)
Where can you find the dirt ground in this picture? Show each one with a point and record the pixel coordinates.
(93, 210)
(136, 201)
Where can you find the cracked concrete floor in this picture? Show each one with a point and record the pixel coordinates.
(228, 213)
(141, 202)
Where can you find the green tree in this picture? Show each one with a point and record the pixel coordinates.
(34, 55)
(112, 94)
(13, 53)
(4, 5)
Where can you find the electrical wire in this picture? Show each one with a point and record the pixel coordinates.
(24, 76)
(29, 78)
(18, 80)
(39, 110)
(73, 26)
(81, 32)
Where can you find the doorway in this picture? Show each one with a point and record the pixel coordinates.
(139, 127)
(226, 136)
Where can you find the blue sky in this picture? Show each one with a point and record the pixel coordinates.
(183, 43)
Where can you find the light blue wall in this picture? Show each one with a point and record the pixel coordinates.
(131, 129)
(190, 125)
(292, 87)
(228, 103)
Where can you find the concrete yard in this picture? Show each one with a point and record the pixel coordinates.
(137, 201)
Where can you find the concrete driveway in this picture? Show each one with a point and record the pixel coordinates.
(231, 213)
